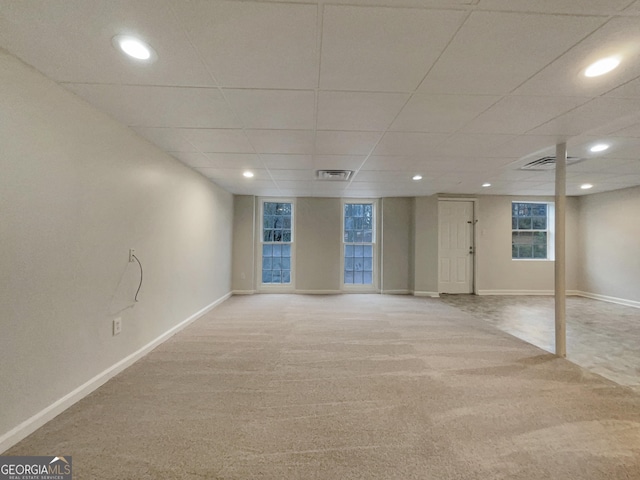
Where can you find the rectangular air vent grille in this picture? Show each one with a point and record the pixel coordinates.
(334, 175)
(547, 163)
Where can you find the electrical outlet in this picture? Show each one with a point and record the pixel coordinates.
(117, 326)
(132, 252)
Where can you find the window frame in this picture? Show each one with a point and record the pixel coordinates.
(550, 230)
(375, 274)
(274, 287)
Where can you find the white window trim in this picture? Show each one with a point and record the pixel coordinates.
(348, 287)
(551, 231)
(275, 287)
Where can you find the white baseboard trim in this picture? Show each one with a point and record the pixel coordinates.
(426, 294)
(396, 292)
(607, 298)
(13, 436)
(243, 292)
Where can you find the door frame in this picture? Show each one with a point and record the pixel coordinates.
(474, 236)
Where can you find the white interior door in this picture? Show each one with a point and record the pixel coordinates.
(455, 252)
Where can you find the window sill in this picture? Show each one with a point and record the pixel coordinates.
(533, 260)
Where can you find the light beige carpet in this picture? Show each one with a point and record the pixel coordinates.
(348, 387)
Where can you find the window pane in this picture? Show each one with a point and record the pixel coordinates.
(286, 250)
(348, 276)
(525, 251)
(266, 250)
(266, 263)
(539, 223)
(276, 276)
(357, 250)
(540, 238)
(286, 263)
(367, 250)
(539, 251)
(524, 223)
(367, 278)
(266, 276)
(277, 250)
(348, 251)
(268, 236)
(357, 277)
(368, 264)
(286, 276)
(348, 263)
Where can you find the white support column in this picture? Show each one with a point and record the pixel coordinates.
(560, 263)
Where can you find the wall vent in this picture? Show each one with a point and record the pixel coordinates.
(334, 175)
(548, 163)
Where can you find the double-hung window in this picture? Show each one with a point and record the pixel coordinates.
(358, 244)
(276, 242)
(532, 230)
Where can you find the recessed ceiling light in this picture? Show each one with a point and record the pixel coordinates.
(586, 186)
(134, 47)
(486, 184)
(248, 174)
(417, 177)
(601, 147)
(602, 66)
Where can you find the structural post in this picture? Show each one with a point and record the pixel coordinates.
(560, 263)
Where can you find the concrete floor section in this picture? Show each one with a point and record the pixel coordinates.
(348, 387)
(602, 337)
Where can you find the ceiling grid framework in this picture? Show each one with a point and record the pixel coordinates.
(460, 91)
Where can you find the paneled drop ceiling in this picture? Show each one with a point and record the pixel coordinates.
(462, 92)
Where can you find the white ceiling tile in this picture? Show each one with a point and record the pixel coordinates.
(282, 141)
(287, 161)
(565, 76)
(233, 160)
(345, 143)
(402, 143)
(273, 109)
(579, 7)
(255, 44)
(398, 163)
(628, 90)
(217, 140)
(358, 110)
(149, 106)
(383, 176)
(70, 41)
(243, 187)
(516, 114)
(440, 113)
(631, 131)
(235, 174)
(291, 175)
(528, 145)
(593, 114)
(495, 52)
(634, 7)
(169, 139)
(382, 49)
(608, 165)
(471, 145)
(192, 159)
(462, 165)
(337, 162)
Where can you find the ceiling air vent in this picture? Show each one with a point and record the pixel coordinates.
(547, 163)
(336, 175)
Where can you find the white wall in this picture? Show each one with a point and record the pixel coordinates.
(77, 190)
(609, 253)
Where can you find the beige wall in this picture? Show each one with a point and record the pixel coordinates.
(397, 219)
(243, 272)
(609, 253)
(77, 191)
(425, 260)
(317, 244)
(496, 271)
